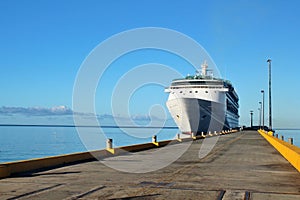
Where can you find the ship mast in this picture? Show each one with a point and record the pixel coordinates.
(204, 67)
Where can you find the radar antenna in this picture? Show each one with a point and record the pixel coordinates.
(204, 67)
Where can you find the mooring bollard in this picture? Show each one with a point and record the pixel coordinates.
(282, 137)
(291, 141)
(109, 143)
(193, 135)
(154, 139)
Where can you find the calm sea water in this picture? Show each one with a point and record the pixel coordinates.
(287, 133)
(22, 143)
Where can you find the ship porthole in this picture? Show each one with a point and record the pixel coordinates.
(177, 116)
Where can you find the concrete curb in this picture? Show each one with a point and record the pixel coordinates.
(288, 151)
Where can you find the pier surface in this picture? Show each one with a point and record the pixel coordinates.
(242, 165)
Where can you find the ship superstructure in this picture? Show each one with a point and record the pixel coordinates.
(202, 103)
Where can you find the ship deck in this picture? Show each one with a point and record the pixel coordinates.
(242, 165)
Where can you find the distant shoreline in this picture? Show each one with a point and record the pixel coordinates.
(85, 126)
(107, 126)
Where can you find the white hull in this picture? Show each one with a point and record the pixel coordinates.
(194, 115)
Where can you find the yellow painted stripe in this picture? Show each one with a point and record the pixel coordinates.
(288, 151)
(156, 143)
(112, 151)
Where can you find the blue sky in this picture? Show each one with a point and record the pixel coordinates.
(43, 44)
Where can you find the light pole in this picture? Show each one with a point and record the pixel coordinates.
(260, 110)
(251, 118)
(270, 102)
(263, 109)
(258, 117)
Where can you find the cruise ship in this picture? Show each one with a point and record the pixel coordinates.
(203, 104)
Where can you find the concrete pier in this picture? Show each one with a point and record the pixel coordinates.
(242, 165)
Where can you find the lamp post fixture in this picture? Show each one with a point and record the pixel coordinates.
(270, 102)
(260, 110)
(251, 118)
(263, 109)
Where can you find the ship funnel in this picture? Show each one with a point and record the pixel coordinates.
(204, 67)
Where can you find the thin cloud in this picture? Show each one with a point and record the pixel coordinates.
(65, 111)
(36, 111)
(132, 117)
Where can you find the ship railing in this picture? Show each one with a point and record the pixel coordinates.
(191, 86)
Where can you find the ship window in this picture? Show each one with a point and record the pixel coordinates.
(190, 91)
(180, 91)
(206, 91)
(196, 91)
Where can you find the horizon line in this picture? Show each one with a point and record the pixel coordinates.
(86, 126)
(110, 126)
